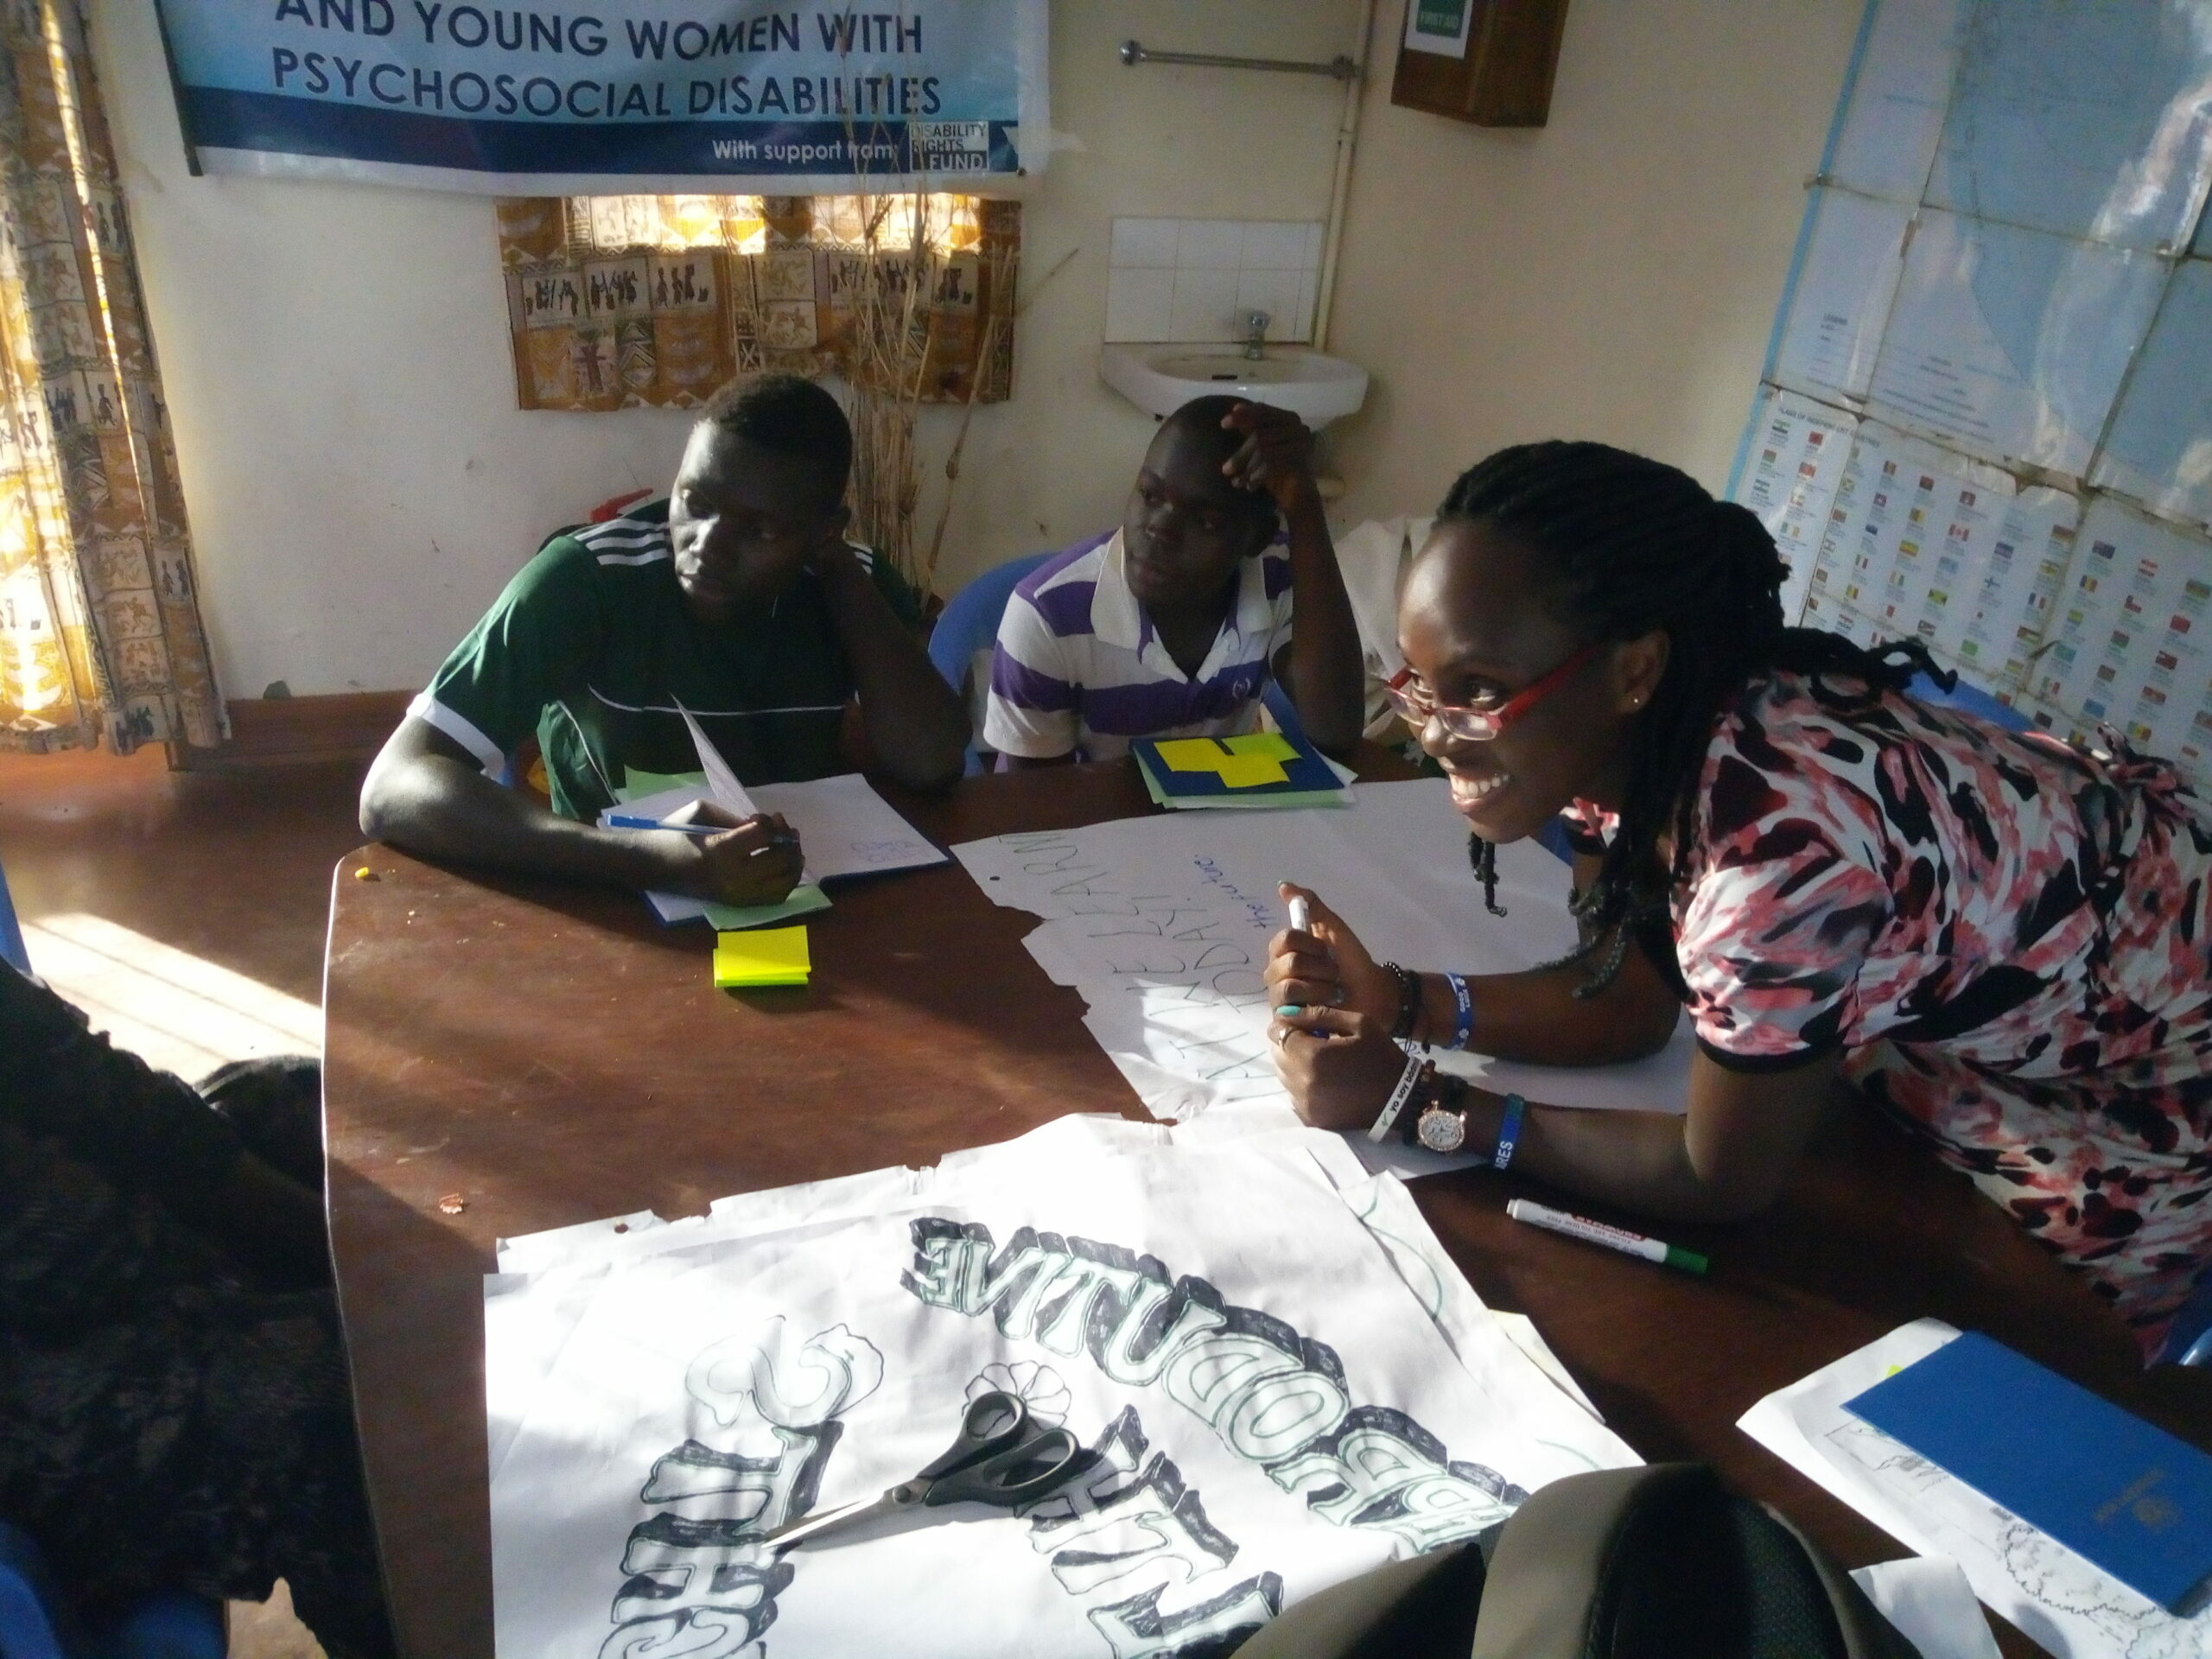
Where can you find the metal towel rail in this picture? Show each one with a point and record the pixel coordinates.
(1337, 69)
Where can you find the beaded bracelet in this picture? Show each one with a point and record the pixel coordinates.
(1408, 1001)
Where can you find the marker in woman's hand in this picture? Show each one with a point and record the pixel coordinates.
(1301, 921)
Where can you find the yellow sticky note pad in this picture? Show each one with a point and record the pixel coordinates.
(1238, 769)
(764, 955)
(1272, 746)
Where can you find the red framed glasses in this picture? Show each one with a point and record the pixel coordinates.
(1413, 704)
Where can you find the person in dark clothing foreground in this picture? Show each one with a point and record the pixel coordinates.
(175, 1411)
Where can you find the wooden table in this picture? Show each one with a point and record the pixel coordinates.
(549, 1054)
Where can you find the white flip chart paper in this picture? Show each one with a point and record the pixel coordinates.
(1272, 1405)
(1163, 923)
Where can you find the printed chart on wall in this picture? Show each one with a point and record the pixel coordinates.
(792, 97)
(1986, 390)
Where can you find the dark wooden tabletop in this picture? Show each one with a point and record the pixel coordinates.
(546, 1055)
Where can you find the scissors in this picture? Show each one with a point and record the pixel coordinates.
(1003, 1456)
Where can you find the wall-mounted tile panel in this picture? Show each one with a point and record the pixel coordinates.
(1199, 279)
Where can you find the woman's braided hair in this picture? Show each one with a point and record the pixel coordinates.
(1628, 545)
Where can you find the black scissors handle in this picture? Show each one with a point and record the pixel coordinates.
(1002, 1456)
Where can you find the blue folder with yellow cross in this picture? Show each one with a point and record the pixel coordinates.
(1258, 769)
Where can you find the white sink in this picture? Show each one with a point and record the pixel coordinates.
(1160, 379)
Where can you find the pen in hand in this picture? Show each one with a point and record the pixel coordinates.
(778, 839)
(1301, 921)
(633, 821)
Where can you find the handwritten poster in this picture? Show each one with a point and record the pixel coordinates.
(1162, 924)
(1276, 1387)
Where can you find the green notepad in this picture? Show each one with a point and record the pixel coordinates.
(635, 785)
(804, 901)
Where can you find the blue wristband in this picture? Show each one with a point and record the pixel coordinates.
(1509, 1131)
(1463, 1026)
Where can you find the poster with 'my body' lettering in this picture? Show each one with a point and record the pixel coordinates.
(1269, 1407)
(730, 97)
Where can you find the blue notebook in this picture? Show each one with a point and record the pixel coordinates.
(2129, 1498)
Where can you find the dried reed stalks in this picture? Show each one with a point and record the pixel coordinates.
(888, 341)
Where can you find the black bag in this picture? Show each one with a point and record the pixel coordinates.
(1655, 1563)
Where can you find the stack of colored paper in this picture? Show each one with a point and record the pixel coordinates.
(1258, 769)
(766, 955)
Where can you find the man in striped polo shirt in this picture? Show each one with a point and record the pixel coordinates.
(737, 597)
(1171, 626)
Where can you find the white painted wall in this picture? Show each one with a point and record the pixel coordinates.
(359, 480)
(361, 484)
(1613, 274)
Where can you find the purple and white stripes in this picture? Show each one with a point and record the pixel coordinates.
(1079, 667)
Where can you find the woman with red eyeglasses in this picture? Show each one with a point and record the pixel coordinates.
(2003, 943)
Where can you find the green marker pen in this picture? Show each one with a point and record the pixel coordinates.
(1613, 1238)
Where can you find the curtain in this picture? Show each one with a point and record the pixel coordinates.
(623, 301)
(101, 631)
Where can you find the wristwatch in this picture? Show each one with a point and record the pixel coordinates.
(1442, 1125)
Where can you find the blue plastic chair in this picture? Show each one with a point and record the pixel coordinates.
(1970, 699)
(172, 1626)
(969, 623)
(11, 946)
(2190, 1341)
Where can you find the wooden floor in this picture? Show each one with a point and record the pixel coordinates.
(186, 911)
(233, 867)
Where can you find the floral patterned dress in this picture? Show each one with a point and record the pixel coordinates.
(2008, 940)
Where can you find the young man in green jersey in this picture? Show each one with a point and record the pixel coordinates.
(737, 598)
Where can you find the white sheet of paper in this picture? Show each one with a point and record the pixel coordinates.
(1274, 1409)
(589, 1248)
(1931, 1603)
(1493, 1346)
(1162, 924)
(846, 828)
(2071, 1607)
(722, 787)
